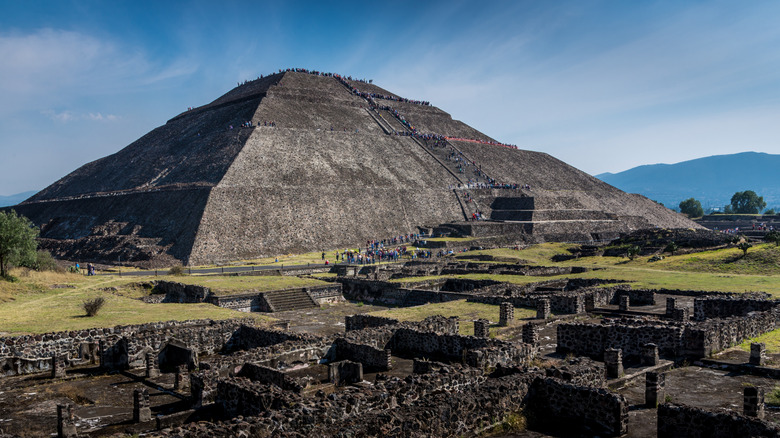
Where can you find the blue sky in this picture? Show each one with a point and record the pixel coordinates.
(602, 85)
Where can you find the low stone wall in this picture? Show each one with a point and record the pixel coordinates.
(708, 308)
(674, 340)
(560, 302)
(252, 302)
(453, 347)
(241, 396)
(264, 374)
(248, 337)
(721, 333)
(32, 353)
(361, 321)
(329, 293)
(203, 384)
(372, 358)
(174, 292)
(592, 339)
(680, 421)
(589, 411)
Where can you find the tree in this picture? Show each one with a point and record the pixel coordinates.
(773, 236)
(632, 251)
(744, 246)
(672, 246)
(747, 202)
(692, 208)
(770, 212)
(17, 240)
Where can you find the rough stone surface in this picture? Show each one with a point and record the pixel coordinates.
(327, 156)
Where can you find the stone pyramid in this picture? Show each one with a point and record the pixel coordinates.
(328, 162)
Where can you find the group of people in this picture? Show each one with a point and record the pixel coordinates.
(77, 269)
(474, 140)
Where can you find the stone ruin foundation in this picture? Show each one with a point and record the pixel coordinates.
(381, 376)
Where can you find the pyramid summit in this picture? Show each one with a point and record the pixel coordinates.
(299, 161)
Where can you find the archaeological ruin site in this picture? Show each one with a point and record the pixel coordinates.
(487, 291)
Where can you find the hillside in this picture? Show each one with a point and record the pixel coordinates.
(711, 180)
(14, 199)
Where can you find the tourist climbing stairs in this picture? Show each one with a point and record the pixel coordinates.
(290, 299)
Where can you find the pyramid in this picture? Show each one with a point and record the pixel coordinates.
(328, 162)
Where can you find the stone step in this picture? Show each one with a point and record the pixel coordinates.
(294, 299)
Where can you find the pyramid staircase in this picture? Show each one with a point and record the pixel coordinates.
(290, 299)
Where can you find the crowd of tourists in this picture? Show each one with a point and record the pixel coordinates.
(474, 140)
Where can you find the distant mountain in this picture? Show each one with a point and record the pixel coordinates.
(711, 180)
(15, 199)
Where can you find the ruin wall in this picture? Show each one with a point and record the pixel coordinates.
(707, 308)
(681, 421)
(592, 411)
(32, 353)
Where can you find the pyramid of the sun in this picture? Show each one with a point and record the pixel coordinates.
(337, 168)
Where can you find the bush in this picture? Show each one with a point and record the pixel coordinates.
(632, 251)
(744, 246)
(42, 261)
(92, 307)
(176, 270)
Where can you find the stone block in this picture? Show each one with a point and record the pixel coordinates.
(649, 355)
(152, 366)
(613, 361)
(345, 372)
(141, 409)
(506, 314)
(531, 334)
(757, 354)
(753, 402)
(671, 304)
(624, 303)
(655, 384)
(66, 424)
(481, 328)
(543, 309)
(58, 365)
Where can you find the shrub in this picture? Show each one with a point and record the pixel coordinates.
(744, 246)
(92, 307)
(176, 270)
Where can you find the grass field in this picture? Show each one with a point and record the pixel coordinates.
(33, 305)
(771, 339)
(710, 270)
(232, 284)
(535, 254)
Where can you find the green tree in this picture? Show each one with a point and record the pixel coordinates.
(17, 240)
(747, 202)
(632, 251)
(672, 246)
(692, 208)
(744, 246)
(770, 212)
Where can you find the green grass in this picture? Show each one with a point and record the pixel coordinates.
(639, 272)
(770, 339)
(464, 310)
(540, 254)
(36, 308)
(245, 283)
(762, 259)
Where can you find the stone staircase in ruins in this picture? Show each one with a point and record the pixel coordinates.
(290, 299)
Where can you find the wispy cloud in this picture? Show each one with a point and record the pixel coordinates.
(49, 67)
(70, 116)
